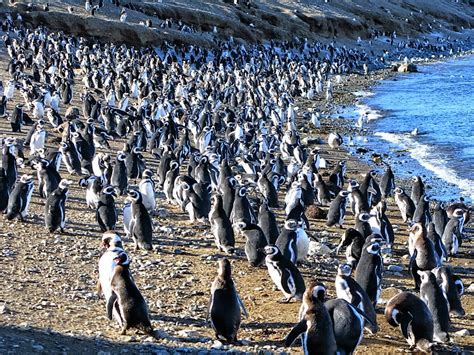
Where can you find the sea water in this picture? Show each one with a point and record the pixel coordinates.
(424, 122)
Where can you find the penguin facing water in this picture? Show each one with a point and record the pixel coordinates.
(225, 305)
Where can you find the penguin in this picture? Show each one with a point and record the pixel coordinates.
(432, 294)
(423, 255)
(112, 243)
(362, 224)
(4, 192)
(267, 222)
(141, 225)
(55, 208)
(323, 194)
(348, 289)
(70, 157)
(126, 299)
(119, 178)
(337, 176)
(127, 215)
(440, 218)
(449, 282)
(354, 242)
(422, 211)
(368, 273)
(405, 204)
(348, 322)
(268, 190)
(38, 138)
(302, 242)
(417, 190)
(20, 197)
(225, 304)
(287, 240)
(315, 325)
(284, 274)
(387, 183)
(93, 187)
(197, 201)
(106, 213)
(413, 317)
(335, 140)
(370, 189)
(452, 235)
(48, 177)
(170, 178)
(255, 242)
(16, 119)
(437, 242)
(357, 200)
(9, 163)
(147, 189)
(242, 210)
(380, 223)
(221, 228)
(227, 188)
(337, 210)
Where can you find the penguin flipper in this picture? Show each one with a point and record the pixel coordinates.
(242, 306)
(297, 330)
(366, 317)
(110, 304)
(405, 325)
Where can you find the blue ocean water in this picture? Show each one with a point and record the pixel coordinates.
(439, 103)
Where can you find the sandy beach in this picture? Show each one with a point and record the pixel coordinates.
(48, 300)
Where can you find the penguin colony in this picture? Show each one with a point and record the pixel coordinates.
(221, 126)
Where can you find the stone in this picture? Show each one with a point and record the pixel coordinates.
(316, 248)
(395, 268)
(462, 333)
(37, 347)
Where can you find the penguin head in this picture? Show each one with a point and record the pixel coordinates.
(122, 258)
(64, 184)
(109, 190)
(427, 276)
(373, 173)
(242, 191)
(134, 195)
(241, 224)
(224, 269)
(147, 174)
(459, 285)
(318, 291)
(26, 179)
(364, 217)
(344, 269)
(121, 156)
(458, 213)
(416, 179)
(418, 230)
(271, 250)
(111, 239)
(373, 247)
(353, 184)
(291, 224)
(398, 191)
(344, 194)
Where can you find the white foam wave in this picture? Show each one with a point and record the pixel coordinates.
(426, 156)
(368, 112)
(363, 93)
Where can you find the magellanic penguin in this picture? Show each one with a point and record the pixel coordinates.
(432, 294)
(284, 274)
(437, 242)
(20, 197)
(452, 287)
(380, 223)
(141, 225)
(147, 190)
(255, 243)
(267, 222)
(414, 318)
(268, 190)
(423, 255)
(368, 273)
(440, 218)
(348, 289)
(127, 300)
(387, 183)
(221, 228)
(337, 210)
(93, 187)
(315, 325)
(335, 140)
(417, 189)
(358, 201)
(55, 208)
(422, 211)
(287, 240)
(405, 204)
(106, 213)
(452, 235)
(4, 191)
(225, 304)
(354, 242)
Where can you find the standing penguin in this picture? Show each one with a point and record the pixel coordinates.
(225, 305)
(147, 189)
(422, 252)
(440, 218)
(4, 191)
(348, 289)
(286, 241)
(449, 284)
(106, 213)
(323, 194)
(268, 190)
(437, 242)
(284, 274)
(267, 222)
(315, 326)
(242, 210)
(20, 197)
(380, 223)
(126, 299)
(432, 294)
(414, 318)
(354, 242)
(141, 225)
(38, 138)
(55, 208)
(405, 204)
(256, 241)
(362, 224)
(119, 178)
(337, 210)
(368, 273)
(221, 227)
(387, 184)
(452, 235)
(422, 211)
(16, 119)
(417, 190)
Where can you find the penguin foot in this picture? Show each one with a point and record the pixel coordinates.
(123, 331)
(284, 300)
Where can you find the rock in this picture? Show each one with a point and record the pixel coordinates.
(395, 268)
(470, 288)
(316, 212)
(462, 333)
(316, 248)
(37, 347)
(217, 345)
